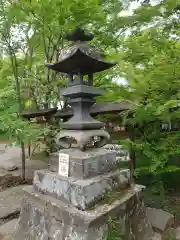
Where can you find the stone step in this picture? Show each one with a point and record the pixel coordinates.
(8, 229)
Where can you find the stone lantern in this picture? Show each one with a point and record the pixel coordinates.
(66, 203)
(80, 62)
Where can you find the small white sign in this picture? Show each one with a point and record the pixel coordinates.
(63, 164)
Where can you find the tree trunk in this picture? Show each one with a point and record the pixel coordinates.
(18, 90)
(23, 161)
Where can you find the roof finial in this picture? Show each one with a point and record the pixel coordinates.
(79, 35)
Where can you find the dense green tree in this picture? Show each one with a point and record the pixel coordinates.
(41, 26)
(31, 35)
(149, 61)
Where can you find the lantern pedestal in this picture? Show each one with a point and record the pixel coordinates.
(45, 217)
(79, 206)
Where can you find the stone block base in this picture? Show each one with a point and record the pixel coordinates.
(79, 193)
(91, 163)
(46, 218)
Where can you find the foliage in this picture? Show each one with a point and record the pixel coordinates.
(16, 128)
(150, 63)
(32, 35)
(49, 134)
(41, 26)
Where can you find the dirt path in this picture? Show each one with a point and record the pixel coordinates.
(10, 166)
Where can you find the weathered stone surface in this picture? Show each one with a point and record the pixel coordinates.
(157, 236)
(172, 233)
(159, 218)
(90, 163)
(169, 234)
(177, 233)
(10, 201)
(8, 229)
(11, 168)
(44, 217)
(80, 193)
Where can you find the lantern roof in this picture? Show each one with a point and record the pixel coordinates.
(80, 56)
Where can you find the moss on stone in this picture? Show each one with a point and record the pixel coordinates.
(114, 231)
(110, 196)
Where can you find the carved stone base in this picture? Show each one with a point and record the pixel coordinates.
(44, 217)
